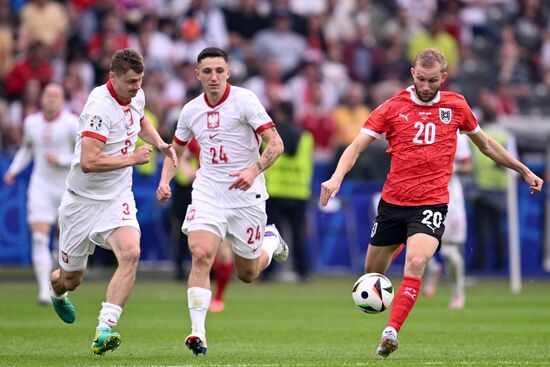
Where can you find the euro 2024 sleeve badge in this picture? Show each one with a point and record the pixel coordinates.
(96, 122)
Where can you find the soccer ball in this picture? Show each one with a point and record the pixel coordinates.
(372, 293)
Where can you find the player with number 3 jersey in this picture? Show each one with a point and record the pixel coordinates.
(98, 207)
(421, 124)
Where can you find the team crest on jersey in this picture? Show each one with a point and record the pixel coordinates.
(129, 118)
(213, 120)
(96, 122)
(445, 115)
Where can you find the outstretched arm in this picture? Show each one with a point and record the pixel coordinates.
(330, 188)
(497, 153)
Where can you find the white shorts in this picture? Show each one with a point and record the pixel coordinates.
(85, 223)
(243, 227)
(42, 205)
(455, 221)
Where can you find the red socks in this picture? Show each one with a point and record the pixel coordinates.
(404, 301)
(223, 273)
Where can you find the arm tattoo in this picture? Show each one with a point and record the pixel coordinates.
(272, 150)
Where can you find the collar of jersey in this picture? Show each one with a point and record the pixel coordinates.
(113, 94)
(224, 97)
(416, 100)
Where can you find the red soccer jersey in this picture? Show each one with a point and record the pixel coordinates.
(422, 143)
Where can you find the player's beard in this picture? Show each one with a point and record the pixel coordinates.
(426, 98)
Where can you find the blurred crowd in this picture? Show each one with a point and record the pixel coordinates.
(333, 60)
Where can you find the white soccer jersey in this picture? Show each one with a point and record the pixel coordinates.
(228, 135)
(41, 137)
(117, 124)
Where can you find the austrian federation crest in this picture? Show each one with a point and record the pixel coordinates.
(445, 115)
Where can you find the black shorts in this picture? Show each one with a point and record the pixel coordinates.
(395, 223)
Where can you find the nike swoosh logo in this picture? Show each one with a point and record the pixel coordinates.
(212, 136)
(130, 133)
(126, 218)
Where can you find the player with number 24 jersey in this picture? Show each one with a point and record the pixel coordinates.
(228, 134)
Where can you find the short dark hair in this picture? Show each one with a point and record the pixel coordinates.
(212, 52)
(127, 59)
(429, 57)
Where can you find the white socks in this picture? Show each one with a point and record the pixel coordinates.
(108, 316)
(42, 263)
(198, 301)
(455, 262)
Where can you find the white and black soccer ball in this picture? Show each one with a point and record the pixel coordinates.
(373, 293)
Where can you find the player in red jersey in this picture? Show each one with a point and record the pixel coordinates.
(420, 124)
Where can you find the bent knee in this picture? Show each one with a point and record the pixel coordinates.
(130, 255)
(72, 283)
(247, 275)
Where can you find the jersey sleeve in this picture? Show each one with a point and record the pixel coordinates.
(376, 125)
(95, 121)
(469, 124)
(255, 114)
(183, 133)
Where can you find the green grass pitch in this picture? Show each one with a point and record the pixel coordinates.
(275, 324)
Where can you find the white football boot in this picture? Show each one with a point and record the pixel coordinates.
(388, 343)
(281, 253)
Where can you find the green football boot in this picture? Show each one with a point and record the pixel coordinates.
(105, 340)
(64, 309)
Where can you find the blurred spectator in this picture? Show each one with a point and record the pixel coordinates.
(369, 12)
(280, 42)
(190, 43)
(349, 116)
(44, 21)
(20, 109)
(110, 37)
(288, 183)
(6, 45)
(315, 37)
(400, 28)
(422, 11)
(243, 21)
(75, 87)
(338, 25)
(211, 22)
(334, 71)
(528, 25)
(435, 36)
(154, 45)
(34, 66)
(317, 118)
(361, 54)
(489, 202)
(303, 86)
(297, 21)
(269, 85)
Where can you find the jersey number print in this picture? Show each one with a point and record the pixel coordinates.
(425, 133)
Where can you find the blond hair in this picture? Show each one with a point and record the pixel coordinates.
(430, 57)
